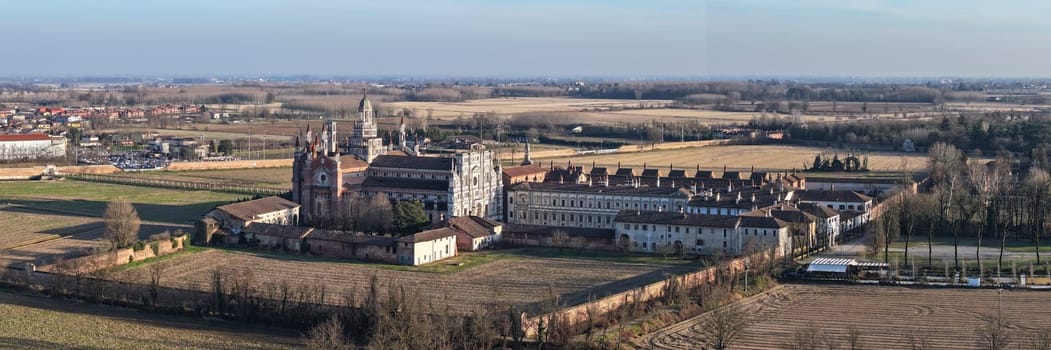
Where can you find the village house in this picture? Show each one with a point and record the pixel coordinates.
(475, 233)
(229, 220)
(855, 208)
(427, 246)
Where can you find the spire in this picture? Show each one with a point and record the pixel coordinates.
(527, 160)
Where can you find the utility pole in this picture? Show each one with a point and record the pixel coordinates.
(249, 143)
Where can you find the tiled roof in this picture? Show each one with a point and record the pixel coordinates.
(651, 172)
(348, 237)
(831, 196)
(352, 162)
(429, 235)
(403, 162)
(762, 222)
(407, 183)
(473, 226)
(275, 230)
(674, 218)
(24, 137)
(524, 170)
(248, 210)
(818, 210)
(620, 189)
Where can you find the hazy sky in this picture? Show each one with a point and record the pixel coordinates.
(688, 38)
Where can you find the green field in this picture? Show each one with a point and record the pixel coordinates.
(37, 323)
(81, 198)
(264, 177)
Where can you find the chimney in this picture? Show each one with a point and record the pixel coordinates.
(643, 165)
(658, 181)
(832, 187)
(560, 179)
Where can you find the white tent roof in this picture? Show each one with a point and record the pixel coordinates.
(830, 265)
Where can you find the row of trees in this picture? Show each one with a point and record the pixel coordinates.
(972, 202)
(373, 214)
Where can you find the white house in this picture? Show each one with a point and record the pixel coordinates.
(851, 205)
(694, 234)
(828, 225)
(427, 246)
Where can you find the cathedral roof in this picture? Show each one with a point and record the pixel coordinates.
(352, 162)
(406, 183)
(403, 162)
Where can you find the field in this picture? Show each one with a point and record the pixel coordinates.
(266, 177)
(769, 157)
(45, 219)
(37, 323)
(498, 279)
(887, 317)
(671, 115)
(81, 198)
(20, 228)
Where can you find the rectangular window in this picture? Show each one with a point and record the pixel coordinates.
(644, 227)
(724, 244)
(700, 242)
(677, 229)
(627, 226)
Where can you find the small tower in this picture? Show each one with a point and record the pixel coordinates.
(401, 135)
(527, 160)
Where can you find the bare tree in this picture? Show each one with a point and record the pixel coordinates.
(560, 239)
(122, 223)
(1041, 339)
(723, 325)
(807, 337)
(327, 335)
(994, 333)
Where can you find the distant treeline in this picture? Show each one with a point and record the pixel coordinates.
(977, 133)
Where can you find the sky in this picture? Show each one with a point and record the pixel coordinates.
(527, 38)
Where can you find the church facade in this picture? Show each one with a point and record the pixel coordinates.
(329, 175)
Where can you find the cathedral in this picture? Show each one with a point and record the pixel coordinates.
(328, 175)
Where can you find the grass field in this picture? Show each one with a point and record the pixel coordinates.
(266, 177)
(38, 323)
(81, 198)
(741, 158)
(483, 279)
(887, 317)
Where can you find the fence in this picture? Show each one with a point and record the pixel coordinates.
(175, 184)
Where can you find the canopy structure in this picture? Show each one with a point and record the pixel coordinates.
(830, 265)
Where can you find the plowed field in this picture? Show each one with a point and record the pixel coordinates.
(886, 317)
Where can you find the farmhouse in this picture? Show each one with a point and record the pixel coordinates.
(31, 146)
(341, 245)
(231, 219)
(274, 236)
(427, 246)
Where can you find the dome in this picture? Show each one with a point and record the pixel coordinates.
(365, 104)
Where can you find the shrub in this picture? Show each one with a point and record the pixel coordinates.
(160, 236)
(138, 246)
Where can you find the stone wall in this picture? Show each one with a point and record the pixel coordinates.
(578, 313)
(234, 164)
(91, 263)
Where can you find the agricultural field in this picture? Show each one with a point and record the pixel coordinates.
(741, 157)
(498, 279)
(264, 177)
(82, 198)
(38, 323)
(671, 115)
(887, 317)
(19, 228)
(451, 110)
